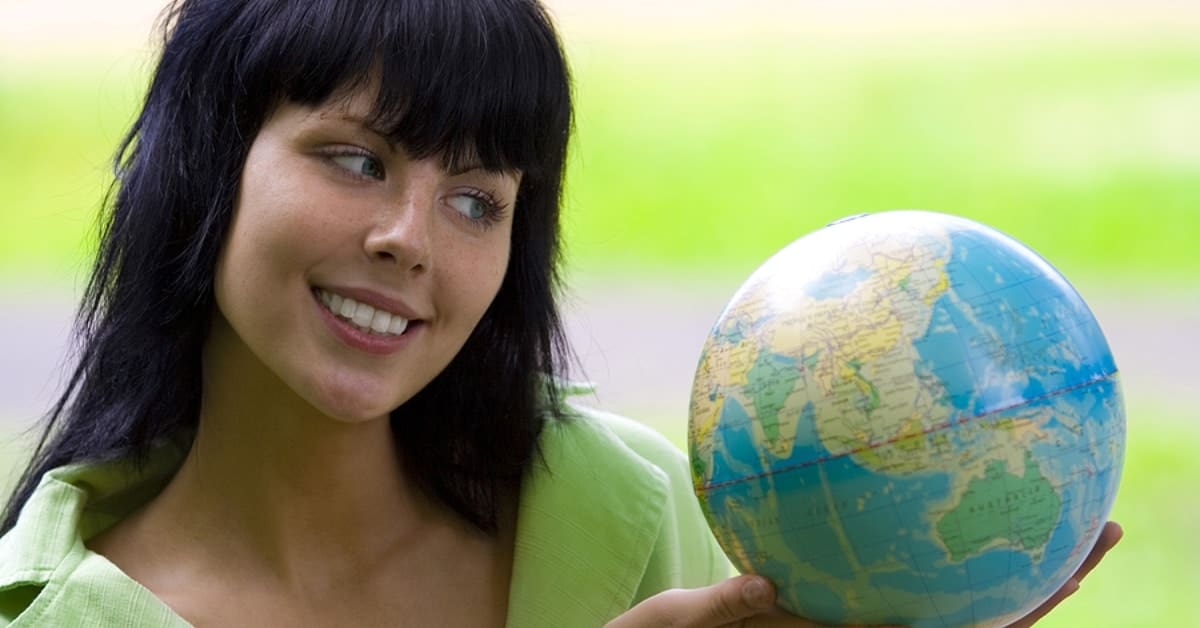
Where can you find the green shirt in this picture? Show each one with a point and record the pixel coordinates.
(607, 520)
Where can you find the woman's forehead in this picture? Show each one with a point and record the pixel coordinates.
(356, 105)
(356, 98)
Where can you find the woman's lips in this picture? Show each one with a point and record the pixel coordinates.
(364, 340)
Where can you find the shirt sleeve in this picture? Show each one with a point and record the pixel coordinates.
(686, 554)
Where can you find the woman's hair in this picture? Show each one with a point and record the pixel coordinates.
(456, 78)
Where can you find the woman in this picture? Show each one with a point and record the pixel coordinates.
(320, 352)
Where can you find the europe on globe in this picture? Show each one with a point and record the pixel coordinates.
(907, 418)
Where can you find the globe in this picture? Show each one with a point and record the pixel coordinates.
(907, 418)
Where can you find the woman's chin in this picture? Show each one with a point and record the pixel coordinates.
(354, 405)
(357, 417)
(357, 412)
(355, 400)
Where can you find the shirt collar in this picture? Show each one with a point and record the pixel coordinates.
(73, 503)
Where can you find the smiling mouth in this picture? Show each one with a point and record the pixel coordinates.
(362, 316)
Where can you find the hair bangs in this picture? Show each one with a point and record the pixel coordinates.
(478, 84)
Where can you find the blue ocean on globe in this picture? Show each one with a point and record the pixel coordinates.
(907, 418)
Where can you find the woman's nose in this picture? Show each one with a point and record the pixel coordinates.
(404, 233)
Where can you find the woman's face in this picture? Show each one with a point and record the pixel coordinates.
(352, 272)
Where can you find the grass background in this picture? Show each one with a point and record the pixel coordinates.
(700, 158)
(709, 158)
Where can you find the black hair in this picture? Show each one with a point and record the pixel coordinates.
(485, 78)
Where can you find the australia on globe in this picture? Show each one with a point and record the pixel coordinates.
(907, 418)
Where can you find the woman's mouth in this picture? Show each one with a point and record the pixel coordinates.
(363, 317)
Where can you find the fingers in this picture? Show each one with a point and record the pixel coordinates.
(745, 602)
(723, 603)
(730, 601)
(1071, 586)
(1109, 536)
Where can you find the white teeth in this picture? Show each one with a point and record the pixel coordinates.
(380, 322)
(362, 315)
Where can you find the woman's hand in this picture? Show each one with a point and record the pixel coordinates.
(749, 601)
(744, 601)
(1108, 538)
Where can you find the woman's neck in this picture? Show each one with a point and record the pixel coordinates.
(279, 490)
(292, 497)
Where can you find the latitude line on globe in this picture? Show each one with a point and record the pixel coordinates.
(1095, 379)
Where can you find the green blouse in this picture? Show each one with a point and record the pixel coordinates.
(608, 519)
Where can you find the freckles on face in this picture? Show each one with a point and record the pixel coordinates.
(326, 206)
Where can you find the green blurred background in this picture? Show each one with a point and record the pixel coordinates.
(710, 134)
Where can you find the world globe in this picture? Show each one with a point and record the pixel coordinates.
(907, 418)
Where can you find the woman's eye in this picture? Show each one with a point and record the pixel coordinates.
(470, 206)
(361, 165)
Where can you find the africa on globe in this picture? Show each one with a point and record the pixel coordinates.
(907, 418)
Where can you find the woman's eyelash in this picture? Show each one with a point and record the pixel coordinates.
(369, 168)
(494, 209)
(490, 198)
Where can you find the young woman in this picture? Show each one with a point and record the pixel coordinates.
(320, 366)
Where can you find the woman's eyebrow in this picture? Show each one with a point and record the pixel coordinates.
(472, 163)
(366, 124)
(466, 167)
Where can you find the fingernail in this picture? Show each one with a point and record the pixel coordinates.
(755, 593)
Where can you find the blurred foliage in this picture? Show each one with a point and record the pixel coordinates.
(711, 159)
(60, 127)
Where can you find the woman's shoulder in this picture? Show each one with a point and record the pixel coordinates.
(607, 518)
(625, 453)
(603, 430)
